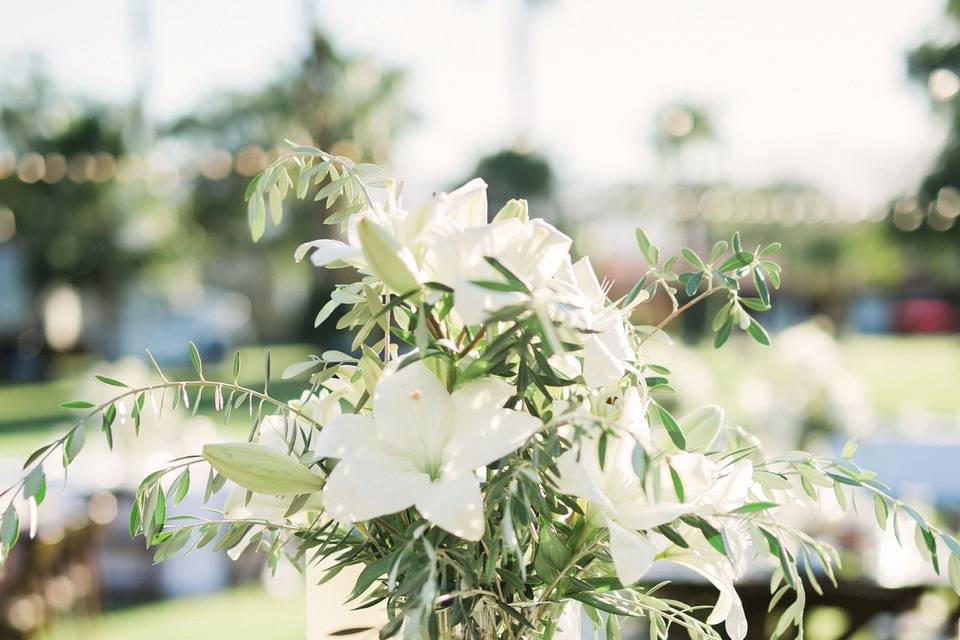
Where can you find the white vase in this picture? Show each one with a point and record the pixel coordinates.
(328, 611)
(569, 625)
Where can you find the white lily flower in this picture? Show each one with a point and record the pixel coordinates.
(460, 209)
(616, 498)
(532, 250)
(717, 568)
(421, 447)
(606, 348)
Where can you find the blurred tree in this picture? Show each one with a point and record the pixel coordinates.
(928, 221)
(514, 174)
(67, 215)
(341, 104)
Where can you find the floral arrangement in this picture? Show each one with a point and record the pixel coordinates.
(496, 446)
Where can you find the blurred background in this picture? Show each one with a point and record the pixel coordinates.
(128, 131)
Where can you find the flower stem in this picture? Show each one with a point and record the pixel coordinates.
(678, 312)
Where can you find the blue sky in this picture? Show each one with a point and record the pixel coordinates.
(813, 91)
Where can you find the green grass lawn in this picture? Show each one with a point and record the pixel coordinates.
(30, 414)
(246, 612)
(923, 371)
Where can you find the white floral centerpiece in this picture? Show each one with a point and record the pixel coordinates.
(497, 446)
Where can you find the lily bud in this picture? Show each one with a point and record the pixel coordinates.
(513, 209)
(387, 258)
(261, 469)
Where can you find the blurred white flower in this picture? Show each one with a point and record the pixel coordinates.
(421, 448)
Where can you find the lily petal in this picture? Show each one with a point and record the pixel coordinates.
(485, 392)
(454, 505)
(482, 434)
(729, 608)
(467, 205)
(370, 485)
(575, 478)
(600, 367)
(344, 435)
(327, 251)
(413, 412)
(586, 279)
(632, 553)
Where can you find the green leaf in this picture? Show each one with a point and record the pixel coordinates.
(133, 523)
(758, 333)
(754, 304)
(180, 486)
(773, 247)
(9, 528)
(760, 282)
(552, 555)
(331, 190)
(719, 248)
(755, 507)
(693, 283)
(724, 333)
(208, 532)
(172, 545)
(256, 216)
(690, 256)
(736, 261)
(297, 368)
(275, 201)
(107, 424)
(371, 572)
(849, 448)
(195, 359)
(251, 187)
(931, 543)
(77, 404)
(672, 535)
(880, 510)
(711, 533)
(506, 273)
(391, 628)
(672, 428)
(35, 485)
(650, 252)
(776, 550)
(635, 291)
(74, 444)
(677, 484)
(953, 572)
(36, 454)
(840, 495)
(110, 381)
